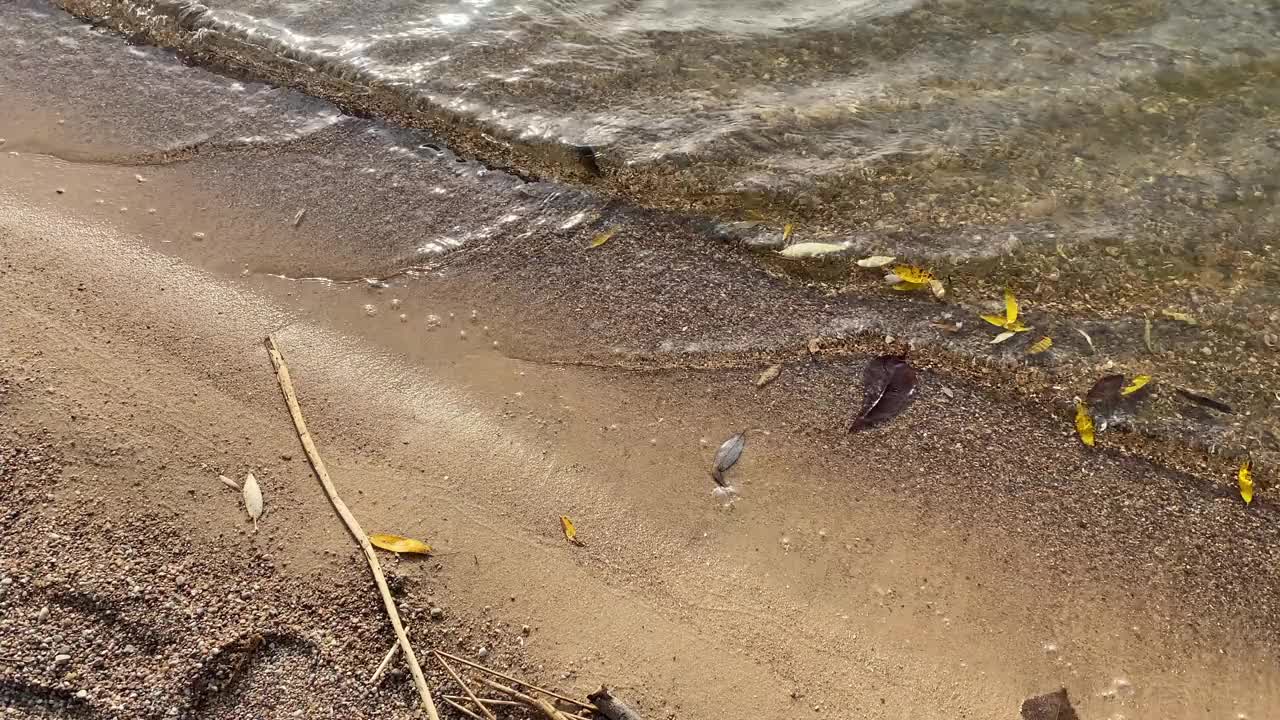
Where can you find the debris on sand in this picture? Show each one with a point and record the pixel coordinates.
(252, 499)
(1050, 706)
(611, 707)
(398, 544)
(726, 456)
(1206, 401)
(770, 374)
(570, 532)
(889, 382)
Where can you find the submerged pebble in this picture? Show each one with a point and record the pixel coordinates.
(404, 318)
(462, 334)
(395, 302)
(370, 310)
(197, 236)
(433, 322)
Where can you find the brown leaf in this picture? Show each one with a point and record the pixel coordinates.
(889, 382)
(770, 374)
(728, 453)
(1206, 401)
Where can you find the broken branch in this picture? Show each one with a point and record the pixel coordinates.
(508, 678)
(465, 688)
(538, 704)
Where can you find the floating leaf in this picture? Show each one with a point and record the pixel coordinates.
(786, 232)
(1179, 316)
(905, 286)
(1084, 424)
(252, 499)
(913, 274)
(1146, 334)
(1010, 307)
(728, 453)
(229, 482)
(997, 320)
(888, 382)
(570, 532)
(1040, 346)
(876, 261)
(602, 238)
(1138, 382)
(811, 249)
(397, 544)
(1206, 401)
(1245, 476)
(1087, 339)
(939, 290)
(770, 374)
(1002, 337)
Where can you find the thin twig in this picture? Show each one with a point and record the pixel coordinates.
(313, 455)
(538, 704)
(495, 702)
(386, 660)
(462, 710)
(531, 686)
(465, 688)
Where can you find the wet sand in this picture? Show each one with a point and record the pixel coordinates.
(966, 556)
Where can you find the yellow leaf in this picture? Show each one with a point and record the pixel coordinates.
(1179, 316)
(913, 274)
(1010, 307)
(1246, 482)
(602, 238)
(997, 320)
(786, 232)
(1002, 337)
(1139, 382)
(908, 286)
(939, 290)
(1084, 424)
(1040, 346)
(1016, 326)
(397, 544)
(570, 532)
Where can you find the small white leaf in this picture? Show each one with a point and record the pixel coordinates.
(229, 482)
(1003, 336)
(876, 261)
(811, 249)
(252, 499)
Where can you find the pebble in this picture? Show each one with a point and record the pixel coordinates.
(139, 178)
(370, 310)
(60, 191)
(437, 613)
(99, 201)
(82, 694)
(197, 236)
(43, 614)
(61, 659)
(525, 630)
(495, 343)
(404, 318)
(433, 322)
(482, 653)
(151, 211)
(462, 334)
(395, 303)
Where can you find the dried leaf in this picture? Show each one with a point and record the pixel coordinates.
(905, 286)
(570, 532)
(997, 320)
(1206, 401)
(1062, 253)
(1179, 316)
(1002, 337)
(1084, 424)
(811, 249)
(1245, 476)
(602, 238)
(939, 290)
(1105, 392)
(1010, 307)
(1138, 382)
(1087, 339)
(889, 382)
(1040, 346)
(876, 261)
(728, 453)
(398, 544)
(1146, 334)
(229, 482)
(770, 374)
(252, 495)
(913, 274)
(786, 232)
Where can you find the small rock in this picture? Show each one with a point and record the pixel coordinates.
(197, 236)
(286, 456)
(82, 694)
(404, 318)
(151, 211)
(525, 630)
(482, 653)
(437, 613)
(495, 343)
(395, 303)
(370, 310)
(462, 334)
(61, 191)
(61, 659)
(139, 178)
(43, 614)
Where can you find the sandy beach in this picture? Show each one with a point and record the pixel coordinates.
(963, 558)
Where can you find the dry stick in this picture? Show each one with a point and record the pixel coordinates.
(462, 710)
(466, 688)
(531, 686)
(539, 704)
(386, 660)
(291, 399)
(487, 701)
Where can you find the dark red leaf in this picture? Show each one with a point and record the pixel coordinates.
(888, 383)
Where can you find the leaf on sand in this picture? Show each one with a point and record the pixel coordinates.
(1084, 424)
(786, 232)
(1206, 401)
(1138, 382)
(876, 261)
(229, 482)
(1179, 316)
(905, 286)
(1245, 477)
(570, 532)
(1002, 337)
(252, 498)
(997, 320)
(939, 290)
(1010, 307)
(1146, 334)
(1040, 345)
(1105, 392)
(888, 383)
(811, 249)
(728, 453)
(770, 374)
(398, 544)
(913, 274)
(601, 238)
